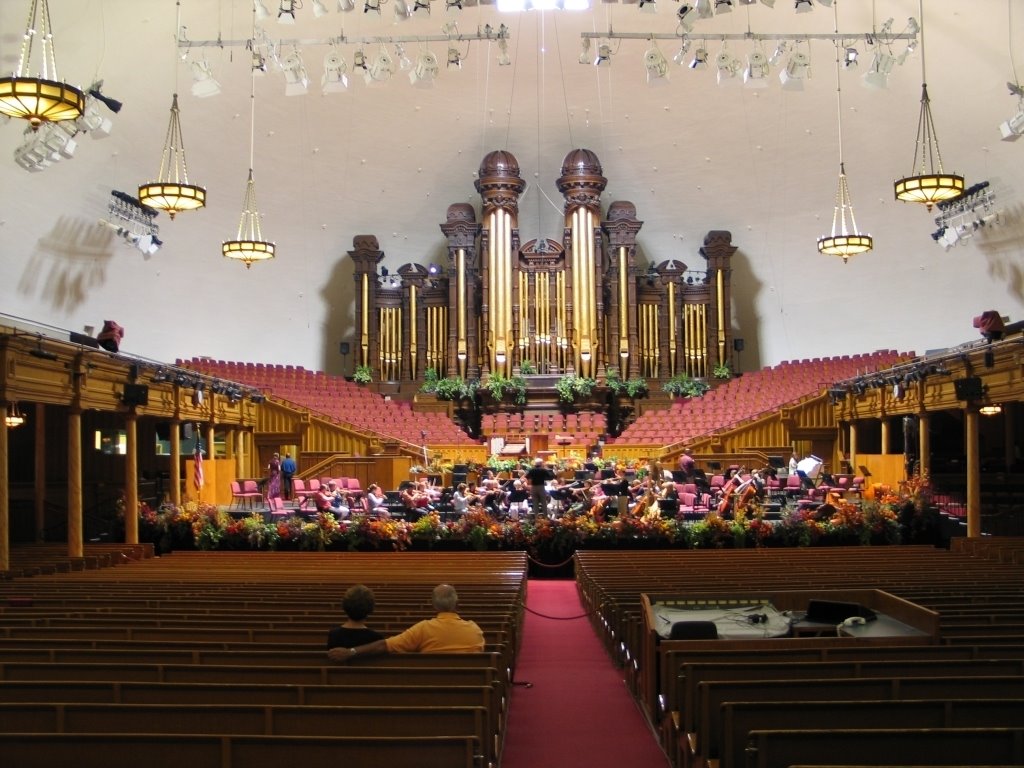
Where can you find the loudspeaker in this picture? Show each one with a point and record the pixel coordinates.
(135, 394)
(969, 388)
(344, 348)
(737, 345)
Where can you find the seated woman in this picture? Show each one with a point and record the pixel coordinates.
(376, 502)
(461, 499)
(358, 603)
(518, 500)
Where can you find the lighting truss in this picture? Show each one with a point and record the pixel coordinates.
(960, 219)
(133, 222)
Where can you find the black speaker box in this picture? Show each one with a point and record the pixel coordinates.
(969, 388)
(135, 394)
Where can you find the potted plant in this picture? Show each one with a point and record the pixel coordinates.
(571, 387)
(527, 368)
(453, 388)
(499, 386)
(722, 371)
(363, 374)
(682, 385)
(430, 380)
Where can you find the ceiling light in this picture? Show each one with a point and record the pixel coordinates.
(796, 71)
(39, 99)
(657, 66)
(260, 10)
(421, 5)
(319, 9)
(769, 3)
(928, 183)
(296, 80)
(249, 245)
(423, 74)
(403, 11)
(723, 6)
(258, 64)
(703, 8)
(804, 6)
(453, 5)
(685, 14)
(203, 83)
(172, 192)
(990, 410)
(844, 241)
(334, 79)
(700, 58)
(756, 73)
(1013, 128)
(850, 57)
(778, 53)
(604, 55)
(344, 6)
(454, 57)
(648, 6)
(404, 62)
(359, 59)
(286, 12)
(371, 5)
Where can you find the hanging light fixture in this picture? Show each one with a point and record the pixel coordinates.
(928, 183)
(40, 99)
(14, 418)
(985, 410)
(843, 242)
(249, 245)
(171, 192)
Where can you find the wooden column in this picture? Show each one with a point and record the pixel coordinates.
(1008, 434)
(973, 472)
(174, 470)
(885, 435)
(131, 478)
(240, 443)
(39, 476)
(924, 443)
(5, 491)
(853, 447)
(76, 542)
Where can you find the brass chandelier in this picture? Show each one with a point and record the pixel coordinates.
(41, 99)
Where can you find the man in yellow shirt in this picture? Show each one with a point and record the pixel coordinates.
(445, 633)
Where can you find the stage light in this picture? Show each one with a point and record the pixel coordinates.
(260, 10)
(319, 9)
(804, 6)
(1013, 128)
(796, 71)
(850, 57)
(334, 79)
(604, 55)
(454, 58)
(296, 80)
(685, 14)
(680, 55)
(728, 67)
(203, 83)
(359, 59)
(723, 6)
(371, 5)
(881, 65)
(504, 59)
(421, 5)
(403, 11)
(778, 53)
(657, 66)
(756, 73)
(769, 3)
(404, 62)
(700, 58)
(344, 6)
(381, 68)
(648, 6)
(286, 12)
(703, 8)
(584, 57)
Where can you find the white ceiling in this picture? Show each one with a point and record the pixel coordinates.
(388, 159)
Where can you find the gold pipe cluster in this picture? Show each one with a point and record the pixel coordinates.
(437, 339)
(649, 340)
(695, 329)
(390, 343)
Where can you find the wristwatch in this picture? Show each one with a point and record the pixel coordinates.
(352, 651)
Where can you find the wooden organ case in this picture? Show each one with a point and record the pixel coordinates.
(577, 304)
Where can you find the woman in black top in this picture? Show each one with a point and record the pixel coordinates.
(358, 603)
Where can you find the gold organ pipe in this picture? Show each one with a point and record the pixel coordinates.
(364, 335)
(577, 282)
(720, 290)
(672, 329)
(623, 305)
(492, 280)
(702, 340)
(412, 328)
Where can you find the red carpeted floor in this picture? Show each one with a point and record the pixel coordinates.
(579, 711)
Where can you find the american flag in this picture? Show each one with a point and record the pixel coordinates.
(197, 474)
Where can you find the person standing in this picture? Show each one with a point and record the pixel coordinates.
(539, 476)
(288, 469)
(274, 480)
(447, 632)
(358, 603)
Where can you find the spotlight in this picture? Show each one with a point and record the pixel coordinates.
(381, 68)
(850, 57)
(421, 5)
(371, 5)
(826, 3)
(261, 10)
(334, 79)
(403, 11)
(422, 76)
(404, 62)
(359, 59)
(286, 12)
(319, 9)
(604, 55)
(684, 47)
(454, 58)
(92, 122)
(756, 73)
(1013, 128)
(685, 14)
(700, 59)
(344, 6)
(657, 67)
(453, 5)
(796, 71)
(203, 83)
(585, 51)
(881, 65)
(723, 6)
(504, 59)
(804, 6)
(728, 67)
(259, 64)
(778, 53)
(703, 8)
(296, 81)
(434, 270)
(648, 6)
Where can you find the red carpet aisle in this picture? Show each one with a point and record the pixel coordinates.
(578, 711)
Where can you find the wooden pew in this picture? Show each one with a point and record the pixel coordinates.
(740, 718)
(109, 750)
(931, 746)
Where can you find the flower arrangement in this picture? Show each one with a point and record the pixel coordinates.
(633, 387)
(498, 386)
(572, 386)
(363, 374)
(682, 385)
